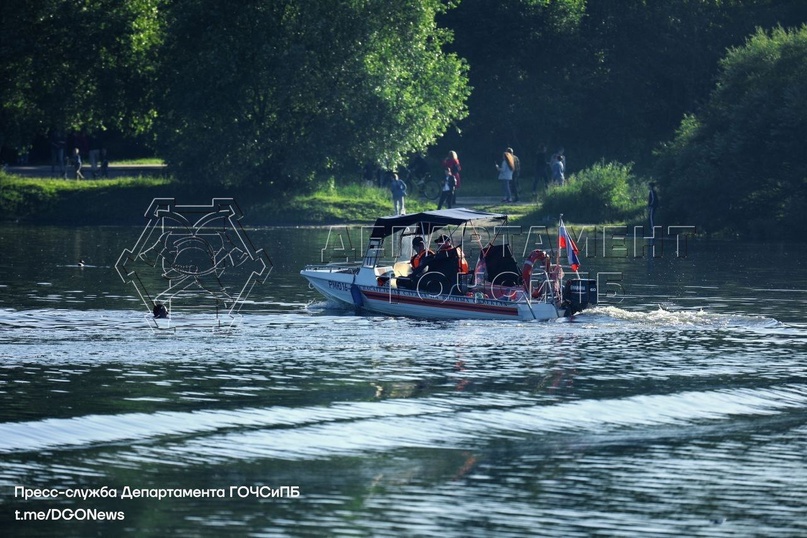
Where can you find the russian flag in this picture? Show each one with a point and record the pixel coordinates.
(565, 241)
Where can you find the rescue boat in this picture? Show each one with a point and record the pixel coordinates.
(470, 273)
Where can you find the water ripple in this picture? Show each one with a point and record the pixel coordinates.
(349, 428)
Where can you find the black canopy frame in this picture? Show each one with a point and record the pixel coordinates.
(426, 222)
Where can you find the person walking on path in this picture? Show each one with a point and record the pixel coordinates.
(398, 188)
(506, 169)
(77, 163)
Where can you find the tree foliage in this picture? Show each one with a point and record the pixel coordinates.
(284, 93)
(602, 79)
(740, 164)
(276, 92)
(72, 65)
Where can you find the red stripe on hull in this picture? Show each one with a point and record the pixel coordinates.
(445, 303)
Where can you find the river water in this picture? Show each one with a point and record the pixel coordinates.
(675, 408)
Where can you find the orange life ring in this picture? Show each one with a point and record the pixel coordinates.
(536, 255)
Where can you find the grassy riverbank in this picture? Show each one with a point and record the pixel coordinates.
(123, 200)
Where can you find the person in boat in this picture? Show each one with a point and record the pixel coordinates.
(419, 262)
(445, 245)
(421, 252)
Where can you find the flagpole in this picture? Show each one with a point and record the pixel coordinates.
(557, 282)
(569, 245)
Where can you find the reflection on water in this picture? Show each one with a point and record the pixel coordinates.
(674, 409)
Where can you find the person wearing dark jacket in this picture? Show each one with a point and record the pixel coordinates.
(652, 205)
(421, 252)
(447, 191)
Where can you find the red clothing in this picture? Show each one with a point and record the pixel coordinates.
(463, 261)
(453, 165)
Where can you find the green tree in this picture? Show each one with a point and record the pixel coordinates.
(523, 56)
(604, 79)
(77, 64)
(741, 164)
(281, 93)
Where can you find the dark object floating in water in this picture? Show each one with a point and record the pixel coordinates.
(160, 311)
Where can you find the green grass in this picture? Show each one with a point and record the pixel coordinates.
(139, 162)
(346, 203)
(48, 184)
(123, 200)
(48, 200)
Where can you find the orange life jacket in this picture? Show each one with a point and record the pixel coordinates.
(417, 259)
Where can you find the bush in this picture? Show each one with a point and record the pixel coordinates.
(605, 192)
(739, 166)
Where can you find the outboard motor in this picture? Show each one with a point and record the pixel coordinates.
(578, 294)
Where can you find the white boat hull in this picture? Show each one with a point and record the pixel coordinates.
(334, 283)
(342, 287)
(397, 302)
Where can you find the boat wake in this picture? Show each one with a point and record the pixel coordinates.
(667, 316)
(329, 306)
(360, 427)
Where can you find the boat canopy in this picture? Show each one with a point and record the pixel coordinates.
(427, 221)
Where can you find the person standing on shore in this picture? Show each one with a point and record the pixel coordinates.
(452, 163)
(516, 174)
(652, 205)
(558, 170)
(447, 191)
(398, 188)
(506, 169)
